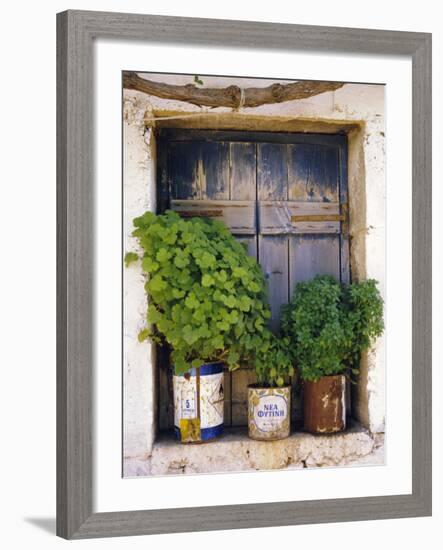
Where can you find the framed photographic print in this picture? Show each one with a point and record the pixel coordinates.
(244, 279)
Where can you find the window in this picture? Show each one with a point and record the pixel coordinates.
(283, 194)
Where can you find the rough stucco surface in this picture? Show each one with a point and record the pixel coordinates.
(236, 452)
(356, 109)
(139, 379)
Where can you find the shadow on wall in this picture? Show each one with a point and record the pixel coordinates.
(45, 524)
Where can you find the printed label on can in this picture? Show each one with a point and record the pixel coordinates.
(188, 404)
(211, 399)
(270, 412)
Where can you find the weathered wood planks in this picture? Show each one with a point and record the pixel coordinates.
(239, 216)
(312, 255)
(198, 170)
(272, 185)
(291, 217)
(313, 173)
(243, 187)
(241, 378)
(242, 163)
(283, 195)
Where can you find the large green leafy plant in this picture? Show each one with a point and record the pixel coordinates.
(207, 297)
(330, 324)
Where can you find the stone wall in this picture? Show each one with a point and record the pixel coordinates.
(356, 109)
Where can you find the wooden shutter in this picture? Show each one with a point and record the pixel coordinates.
(285, 195)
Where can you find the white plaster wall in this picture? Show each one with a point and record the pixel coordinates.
(360, 108)
(138, 196)
(375, 254)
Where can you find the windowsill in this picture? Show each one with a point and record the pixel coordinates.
(235, 451)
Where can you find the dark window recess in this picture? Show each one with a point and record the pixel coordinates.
(284, 195)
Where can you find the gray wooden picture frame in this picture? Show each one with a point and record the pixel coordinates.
(76, 32)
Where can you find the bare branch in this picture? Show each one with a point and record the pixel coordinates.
(230, 96)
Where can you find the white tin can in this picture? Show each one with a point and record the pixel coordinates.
(199, 403)
(269, 411)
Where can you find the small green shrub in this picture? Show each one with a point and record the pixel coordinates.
(330, 324)
(362, 314)
(207, 297)
(274, 362)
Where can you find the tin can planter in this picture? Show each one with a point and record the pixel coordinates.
(324, 405)
(269, 411)
(198, 403)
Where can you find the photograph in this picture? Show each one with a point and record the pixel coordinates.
(253, 269)
(223, 330)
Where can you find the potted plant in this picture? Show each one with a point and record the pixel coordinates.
(269, 401)
(207, 302)
(330, 325)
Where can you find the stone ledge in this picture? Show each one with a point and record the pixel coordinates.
(235, 452)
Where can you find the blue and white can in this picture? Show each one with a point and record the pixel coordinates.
(199, 403)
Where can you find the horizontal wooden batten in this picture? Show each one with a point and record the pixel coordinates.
(202, 213)
(294, 217)
(189, 134)
(318, 218)
(239, 216)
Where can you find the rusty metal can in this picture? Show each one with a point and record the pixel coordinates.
(269, 411)
(324, 404)
(198, 403)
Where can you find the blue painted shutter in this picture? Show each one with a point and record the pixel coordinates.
(286, 179)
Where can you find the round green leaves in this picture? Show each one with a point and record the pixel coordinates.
(207, 298)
